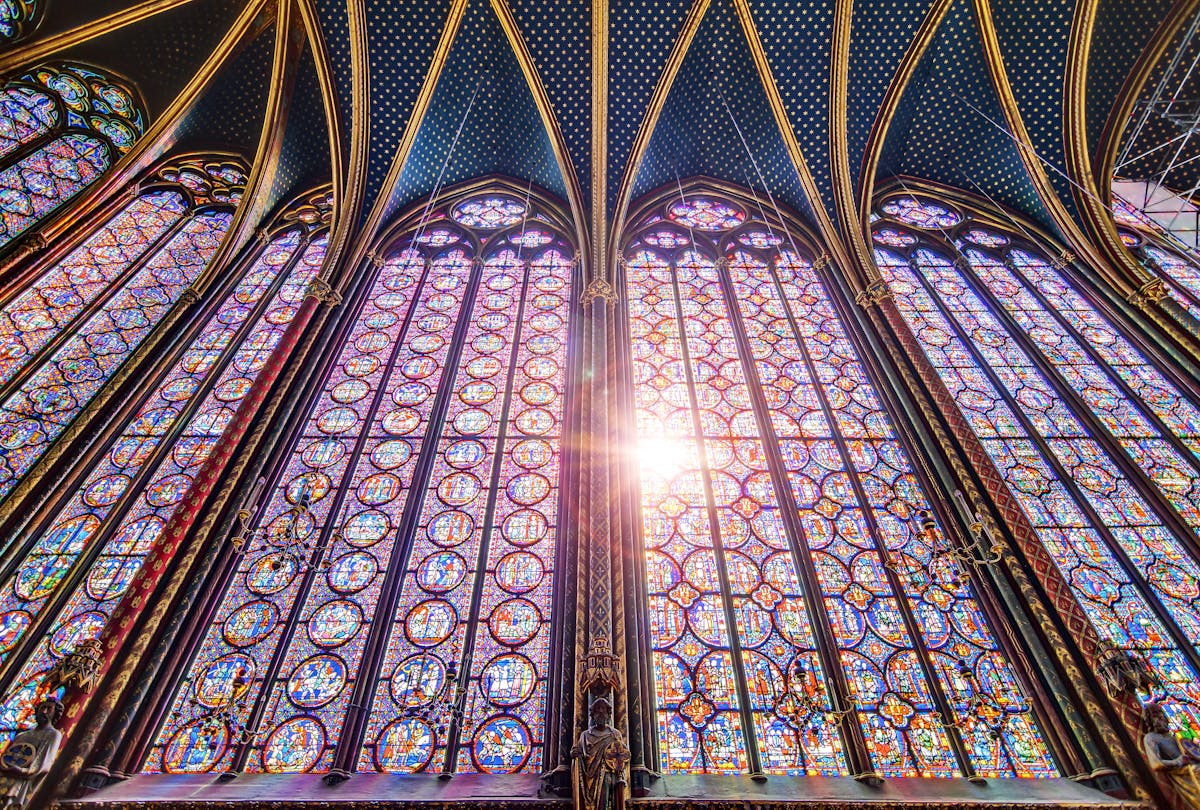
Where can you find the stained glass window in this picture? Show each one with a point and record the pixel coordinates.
(428, 466)
(82, 318)
(107, 525)
(789, 566)
(16, 18)
(1096, 442)
(61, 127)
(1161, 253)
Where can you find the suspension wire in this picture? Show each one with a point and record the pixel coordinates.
(423, 223)
(1158, 91)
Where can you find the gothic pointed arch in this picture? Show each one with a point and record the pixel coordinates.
(1092, 431)
(805, 612)
(62, 125)
(85, 547)
(392, 604)
(82, 313)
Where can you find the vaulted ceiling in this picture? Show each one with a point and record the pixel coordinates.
(819, 102)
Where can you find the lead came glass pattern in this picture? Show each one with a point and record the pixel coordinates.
(375, 493)
(1132, 423)
(60, 387)
(1113, 597)
(61, 126)
(52, 303)
(102, 493)
(792, 333)
(423, 398)
(1183, 276)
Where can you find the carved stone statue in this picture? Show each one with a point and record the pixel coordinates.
(598, 763)
(29, 756)
(1166, 755)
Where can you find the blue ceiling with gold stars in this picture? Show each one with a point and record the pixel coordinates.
(722, 93)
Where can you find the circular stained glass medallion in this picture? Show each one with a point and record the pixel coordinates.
(323, 453)
(528, 488)
(352, 572)
(449, 529)
(106, 490)
(526, 527)
(391, 454)
(430, 623)
(366, 528)
(410, 394)
(535, 421)
(417, 680)
(463, 455)
(294, 746)
(337, 420)
(479, 392)
(404, 746)
(532, 453)
(538, 393)
(472, 422)
(362, 365)
(195, 748)
(78, 628)
(402, 421)
(508, 680)
(441, 571)
(271, 573)
(229, 675)
(515, 621)
(316, 681)
(519, 571)
(250, 623)
(378, 489)
(168, 490)
(501, 745)
(458, 489)
(334, 623)
(13, 624)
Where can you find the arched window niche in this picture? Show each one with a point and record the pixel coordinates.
(1162, 253)
(84, 546)
(802, 616)
(1094, 434)
(84, 310)
(415, 631)
(62, 125)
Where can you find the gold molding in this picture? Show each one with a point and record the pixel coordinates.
(924, 37)
(641, 141)
(360, 137)
(599, 139)
(1029, 157)
(863, 271)
(250, 211)
(829, 233)
(549, 120)
(416, 116)
(320, 52)
(24, 56)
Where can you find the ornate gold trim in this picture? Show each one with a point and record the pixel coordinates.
(316, 41)
(598, 288)
(549, 120)
(25, 56)
(1149, 294)
(263, 170)
(641, 141)
(825, 225)
(416, 116)
(891, 101)
(599, 139)
(319, 290)
(875, 293)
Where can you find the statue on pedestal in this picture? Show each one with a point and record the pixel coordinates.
(1167, 756)
(598, 763)
(29, 756)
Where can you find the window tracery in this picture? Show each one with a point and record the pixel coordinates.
(61, 127)
(791, 578)
(64, 335)
(1096, 441)
(83, 558)
(429, 465)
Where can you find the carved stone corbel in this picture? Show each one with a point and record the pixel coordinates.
(875, 293)
(598, 288)
(319, 289)
(1148, 294)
